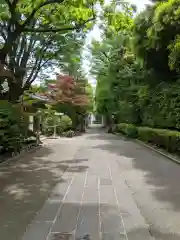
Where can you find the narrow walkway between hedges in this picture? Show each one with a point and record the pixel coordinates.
(95, 186)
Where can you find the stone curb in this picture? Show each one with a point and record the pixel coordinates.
(158, 151)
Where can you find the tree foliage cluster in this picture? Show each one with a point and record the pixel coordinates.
(14, 127)
(52, 122)
(137, 67)
(36, 37)
(70, 96)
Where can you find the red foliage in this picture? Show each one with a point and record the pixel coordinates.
(67, 90)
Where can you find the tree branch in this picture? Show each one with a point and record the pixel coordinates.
(26, 52)
(28, 20)
(28, 81)
(79, 26)
(105, 55)
(49, 29)
(21, 47)
(38, 65)
(35, 69)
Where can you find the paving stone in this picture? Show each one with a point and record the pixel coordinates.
(75, 193)
(139, 234)
(105, 181)
(67, 218)
(88, 222)
(61, 236)
(92, 181)
(90, 195)
(60, 189)
(113, 236)
(133, 220)
(37, 231)
(111, 220)
(76, 189)
(49, 211)
(129, 211)
(107, 195)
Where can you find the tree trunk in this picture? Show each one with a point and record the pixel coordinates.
(109, 123)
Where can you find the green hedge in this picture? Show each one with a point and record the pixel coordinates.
(129, 130)
(163, 138)
(167, 139)
(13, 127)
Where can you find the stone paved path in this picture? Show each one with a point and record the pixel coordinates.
(96, 186)
(26, 183)
(92, 202)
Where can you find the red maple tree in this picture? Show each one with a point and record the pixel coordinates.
(68, 90)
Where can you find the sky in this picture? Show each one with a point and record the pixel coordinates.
(95, 34)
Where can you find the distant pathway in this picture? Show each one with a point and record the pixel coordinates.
(95, 186)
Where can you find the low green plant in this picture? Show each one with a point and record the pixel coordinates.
(65, 123)
(164, 138)
(129, 130)
(13, 127)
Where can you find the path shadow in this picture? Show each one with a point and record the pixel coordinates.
(75, 165)
(161, 174)
(26, 183)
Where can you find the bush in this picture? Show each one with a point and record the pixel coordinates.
(13, 127)
(65, 123)
(164, 138)
(129, 130)
(48, 124)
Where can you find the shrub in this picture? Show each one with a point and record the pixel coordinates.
(48, 125)
(13, 127)
(129, 130)
(164, 138)
(65, 123)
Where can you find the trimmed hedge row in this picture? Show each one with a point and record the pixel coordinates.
(163, 138)
(129, 130)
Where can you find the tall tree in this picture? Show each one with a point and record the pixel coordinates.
(32, 33)
(110, 59)
(19, 16)
(156, 39)
(31, 56)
